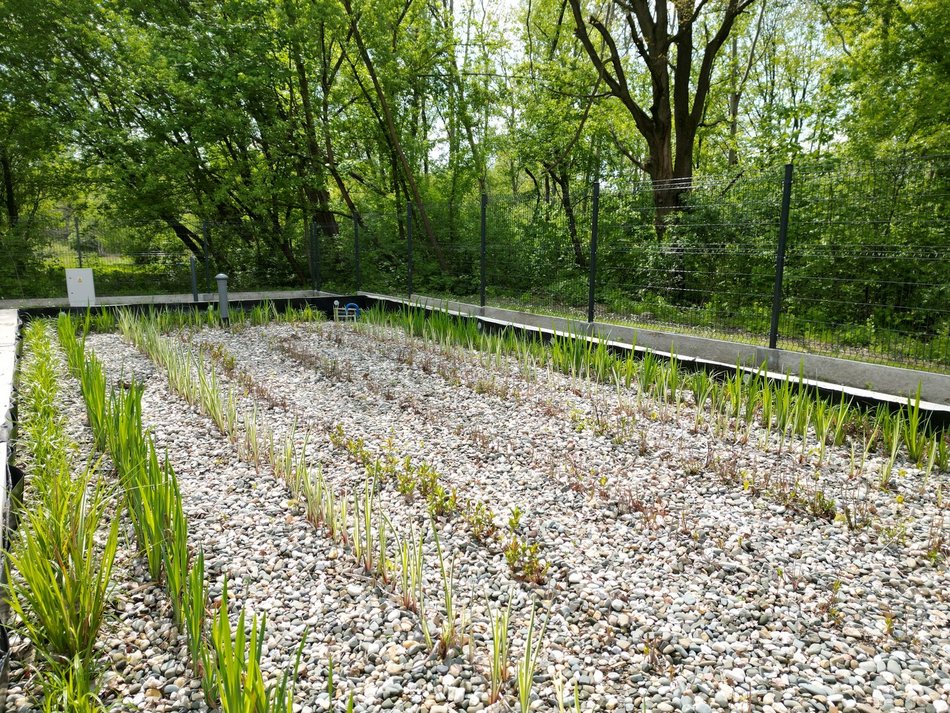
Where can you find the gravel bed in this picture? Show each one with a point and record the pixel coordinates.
(671, 587)
(278, 565)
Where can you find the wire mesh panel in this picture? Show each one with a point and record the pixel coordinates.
(707, 265)
(868, 265)
(126, 258)
(446, 255)
(538, 248)
(383, 252)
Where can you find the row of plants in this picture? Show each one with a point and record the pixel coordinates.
(227, 662)
(104, 319)
(728, 403)
(355, 520)
(58, 574)
(522, 556)
(409, 478)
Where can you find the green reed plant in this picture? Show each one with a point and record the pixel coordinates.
(195, 606)
(942, 451)
(70, 689)
(701, 385)
(887, 471)
(60, 591)
(92, 382)
(411, 564)
(915, 437)
(312, 490)
(418, 564)
(560, 695)
(233, 664)
(175, 554)
(498, 673)
(342, 519)
(72, 345)
(383, 562)
(821, 422)
(448, 633)
(529, 661)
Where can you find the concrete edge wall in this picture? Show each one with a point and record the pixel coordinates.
(204, 299)
(877, 382)
(9, 333)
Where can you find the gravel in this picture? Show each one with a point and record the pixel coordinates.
(672, 585)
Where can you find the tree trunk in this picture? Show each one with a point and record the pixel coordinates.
(389, 126)
(314, 182)
(9, 194)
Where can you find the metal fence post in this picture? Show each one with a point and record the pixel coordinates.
(356, 251)
(595, 214)
(194, 277)
(482, 280)
(78, 241)
(409, 246)
(205, 240)
(780, 255)
(314, 255)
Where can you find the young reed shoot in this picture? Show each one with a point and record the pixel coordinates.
(529, 661)
(498, 672)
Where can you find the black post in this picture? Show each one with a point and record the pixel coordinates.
(205, 240)
(780, 256)
(409, 246)
(78, 241)
(595, 214)
(483, 255)
(314, 255)
(194, 278)
(356, 250)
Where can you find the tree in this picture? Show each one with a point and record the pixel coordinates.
(663, 36)
(896, 69)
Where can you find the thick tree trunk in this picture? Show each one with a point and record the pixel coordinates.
(678, 102)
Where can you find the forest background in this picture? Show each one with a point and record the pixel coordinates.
(273, 139)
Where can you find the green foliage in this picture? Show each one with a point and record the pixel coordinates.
(60, 593)
(58, 572)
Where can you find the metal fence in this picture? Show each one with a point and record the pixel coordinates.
(844, 259)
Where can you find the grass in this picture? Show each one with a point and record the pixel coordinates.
(736, 399)
(448, 633)
(61, 591)
(232, 667)
(195, 605)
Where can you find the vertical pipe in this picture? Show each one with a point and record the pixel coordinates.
(594, 219)
(78, 241)
(356, 251)
(223, 308)
(780, 256)
(483, 277)
(409, 246)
